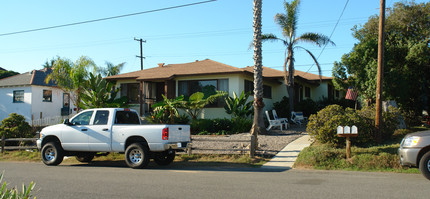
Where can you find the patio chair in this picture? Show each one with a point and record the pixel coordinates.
(283, 120)
(298, 118)
(274, 123)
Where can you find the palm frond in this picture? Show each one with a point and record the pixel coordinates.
(315, 60)
(315, 38)
(291, 17)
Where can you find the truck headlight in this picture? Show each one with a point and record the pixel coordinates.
(411, 141)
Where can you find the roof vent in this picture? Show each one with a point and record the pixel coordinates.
(197, 60)
(160, 64)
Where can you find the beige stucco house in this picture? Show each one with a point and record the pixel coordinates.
(145, 87)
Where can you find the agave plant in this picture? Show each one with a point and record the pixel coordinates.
(14, 193)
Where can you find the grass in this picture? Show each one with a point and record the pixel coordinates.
(196, 159)
(381, 158)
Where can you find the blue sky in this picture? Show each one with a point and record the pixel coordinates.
(219, 30)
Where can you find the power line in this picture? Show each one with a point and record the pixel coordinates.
(331, 33)
(106, 18)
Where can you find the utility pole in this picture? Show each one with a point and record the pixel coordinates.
(380, 74)
(141, 52)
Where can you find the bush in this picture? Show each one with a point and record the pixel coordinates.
(156, 118)
(220, 126)
(241, 125)
(15, 126)
(283, 108)
(323, 125)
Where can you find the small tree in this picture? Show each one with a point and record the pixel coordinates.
(15, 126)
(168, 108)
(197, 101)
(238, 106)
(99, 93)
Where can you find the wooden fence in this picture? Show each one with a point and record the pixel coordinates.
(251, 142)
(19, 147)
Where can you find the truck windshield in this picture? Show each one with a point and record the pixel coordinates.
(126, 117)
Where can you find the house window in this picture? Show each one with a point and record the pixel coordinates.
(208, 87)
(47, 95)
(307, 92)
(267, 90)
(18, 96)
(131, 91)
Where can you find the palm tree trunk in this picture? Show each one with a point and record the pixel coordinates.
(258, 124)
(290, 84)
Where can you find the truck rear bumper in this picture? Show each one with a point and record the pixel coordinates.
(168, 146)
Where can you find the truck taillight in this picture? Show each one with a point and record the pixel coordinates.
(165, 133)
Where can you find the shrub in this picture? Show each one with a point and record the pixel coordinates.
(210, 126)
(283, 108)
(15, 126)
(156, 118)
(241, 125)
(322, 126)
(307, 106)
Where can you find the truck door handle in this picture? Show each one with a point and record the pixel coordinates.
(84, 129)
(180, 129)
(105, 129)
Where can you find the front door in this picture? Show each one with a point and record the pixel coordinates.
(75, 136)
(159, 91)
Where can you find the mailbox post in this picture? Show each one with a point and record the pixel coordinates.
(347, 132)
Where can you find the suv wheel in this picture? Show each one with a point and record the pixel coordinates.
(425, 165)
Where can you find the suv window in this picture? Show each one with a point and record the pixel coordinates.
(101, 118)
(126, 117)
(83, 118)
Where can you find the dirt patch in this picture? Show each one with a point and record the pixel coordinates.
(268, 145)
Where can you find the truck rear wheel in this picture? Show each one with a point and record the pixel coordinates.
(85, 157)
(164, 158)
(425, 165)
(137, 156)
(52, 153)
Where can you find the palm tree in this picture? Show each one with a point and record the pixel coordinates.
(288, 24)
(71, 77)
(258, 124)
(110, 69)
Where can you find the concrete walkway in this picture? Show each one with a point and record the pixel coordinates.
(285, 159)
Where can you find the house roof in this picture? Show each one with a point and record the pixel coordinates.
(163, 72)
(273, 73)
(203, 67)
(35, 77)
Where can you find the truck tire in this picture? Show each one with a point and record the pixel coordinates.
(137, 156)
(85, 157)
(164, 158)
(425, 165)
(52, 153)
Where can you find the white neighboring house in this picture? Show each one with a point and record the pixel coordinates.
(27, 94)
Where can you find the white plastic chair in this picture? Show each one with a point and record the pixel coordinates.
(283, 120)
(298, 118)
(273, 123)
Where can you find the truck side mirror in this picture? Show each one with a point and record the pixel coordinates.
(66, 122)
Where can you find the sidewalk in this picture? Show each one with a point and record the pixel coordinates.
(288, 155)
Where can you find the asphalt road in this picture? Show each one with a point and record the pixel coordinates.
(118, 181)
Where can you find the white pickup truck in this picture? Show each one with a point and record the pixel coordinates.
(112, 130)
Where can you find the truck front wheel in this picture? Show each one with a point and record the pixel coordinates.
(52, 153)
(425, 165)
(164, 158)
(137, 156)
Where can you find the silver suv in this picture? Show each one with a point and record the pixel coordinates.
(414, 151)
